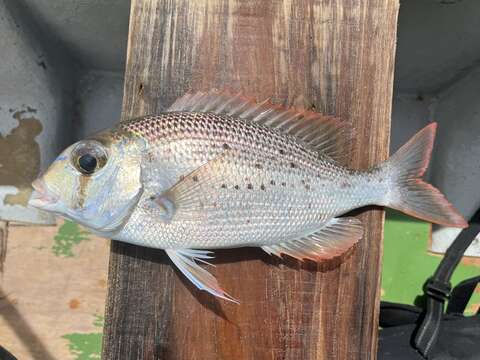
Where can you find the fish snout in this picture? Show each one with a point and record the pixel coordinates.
(42, 197)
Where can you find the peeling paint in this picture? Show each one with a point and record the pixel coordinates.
(86, 346)
(69, 234)
(20, 198)
(20, 156)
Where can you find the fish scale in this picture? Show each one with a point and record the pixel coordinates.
(299, 202)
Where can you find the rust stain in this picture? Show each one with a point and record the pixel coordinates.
(20, 157)
(471, 261)
(102, 283)
(74, 304)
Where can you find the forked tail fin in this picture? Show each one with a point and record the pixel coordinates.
(410, 194)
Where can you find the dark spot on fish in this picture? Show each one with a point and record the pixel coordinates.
(282, 152)
(224, 186)
(262, 187)
(249, 186)
(258, 166)
(214, 204)
(226, 147)
(303, 182)
(248, 221)
(309, 205)
(344, 185)
(237, 187)
(195, 178)
(292, 165)
(140, 89)
(272, 182)
(152, 197)
(284, 184)
(307, 187)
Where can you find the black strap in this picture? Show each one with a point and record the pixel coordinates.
(437, 289)
(394, 314)
(461, 295)
(5, 355)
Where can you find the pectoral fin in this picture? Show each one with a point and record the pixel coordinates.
(333, 239)
(188, 197)
(185, 259)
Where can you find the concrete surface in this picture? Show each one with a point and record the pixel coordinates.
(410, 113)
(98, 101)
(35, 94)
(456, 162)
(93, 32)
(438, 41)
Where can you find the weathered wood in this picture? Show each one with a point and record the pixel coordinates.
(334, 56)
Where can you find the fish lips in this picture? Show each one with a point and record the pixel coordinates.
(42, 197)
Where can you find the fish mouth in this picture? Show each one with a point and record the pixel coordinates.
(42, 197)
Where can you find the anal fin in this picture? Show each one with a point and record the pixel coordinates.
(336, 237)
(185, 259)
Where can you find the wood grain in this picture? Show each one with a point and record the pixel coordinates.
(332, 56)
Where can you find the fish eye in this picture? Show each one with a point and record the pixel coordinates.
(88, 163)
(89, 156)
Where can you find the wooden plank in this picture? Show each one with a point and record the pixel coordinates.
(334, 56)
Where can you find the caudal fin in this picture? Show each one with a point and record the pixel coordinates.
(411, 194)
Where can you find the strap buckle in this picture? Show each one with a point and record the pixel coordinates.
(438, 290)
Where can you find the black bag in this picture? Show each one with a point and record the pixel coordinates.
(426, 332)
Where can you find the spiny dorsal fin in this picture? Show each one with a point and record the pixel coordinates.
(333, 239)
(326, 134)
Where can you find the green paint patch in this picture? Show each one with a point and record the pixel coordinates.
(86, 346)
(407, 262)
(69, 234)
(99, 320)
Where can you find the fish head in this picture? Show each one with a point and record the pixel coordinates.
(95, 182)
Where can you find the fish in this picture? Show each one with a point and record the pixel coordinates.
(220, 170)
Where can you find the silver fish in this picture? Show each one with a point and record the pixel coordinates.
(222, 171)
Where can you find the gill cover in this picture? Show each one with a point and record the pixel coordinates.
(108, 185)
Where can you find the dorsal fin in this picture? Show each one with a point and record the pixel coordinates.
(326, 134)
